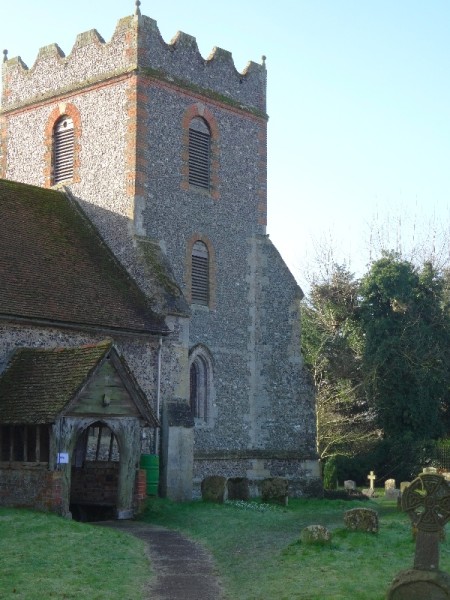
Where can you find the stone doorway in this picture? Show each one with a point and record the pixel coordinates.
(95, 474)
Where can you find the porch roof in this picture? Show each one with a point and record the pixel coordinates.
(38, 385)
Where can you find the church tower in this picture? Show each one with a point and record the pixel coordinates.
(167, 153)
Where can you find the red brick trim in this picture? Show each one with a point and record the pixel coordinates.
(3, 146)
(197, 237)
(200, 110)
(136, 140)
(197, 96)
(141, 484)
(262, 176)
(131, 138)
(63, 108)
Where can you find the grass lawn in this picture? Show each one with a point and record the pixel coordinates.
(259, 556)
(256, 548)
(44, 556)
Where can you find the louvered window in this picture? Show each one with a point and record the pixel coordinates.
(199, 153)
(200, 274)
(63, 149)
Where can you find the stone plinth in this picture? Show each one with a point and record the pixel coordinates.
(415, 584)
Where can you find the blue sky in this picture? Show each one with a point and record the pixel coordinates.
(358, 99)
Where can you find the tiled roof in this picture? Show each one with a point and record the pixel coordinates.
(55, 267)
(38, 384)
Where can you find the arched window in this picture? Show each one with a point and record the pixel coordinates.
(63, 149)
(201, 385)
(200, 274)
(199, 389)
(199, 153)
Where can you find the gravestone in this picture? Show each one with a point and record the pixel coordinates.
(275, 489)
(238, 488)
(361, 519)
(427, 502)
(315, 534)
(349, 484)
(213, 488)
(404, 485)
(390, 491)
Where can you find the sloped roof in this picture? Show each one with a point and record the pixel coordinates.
(39, 384)
(55, 267)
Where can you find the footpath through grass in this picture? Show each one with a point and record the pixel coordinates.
(259, 556)
(44, 556)
(256, 548)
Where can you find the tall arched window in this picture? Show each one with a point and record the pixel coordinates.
(63, 149)
(199, 153)
(199, 389)
(200, 274)
(201, 385)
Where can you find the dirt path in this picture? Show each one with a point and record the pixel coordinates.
(184, 570)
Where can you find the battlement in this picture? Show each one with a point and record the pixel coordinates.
(135, 47)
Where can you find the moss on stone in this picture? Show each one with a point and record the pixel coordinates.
(56, 242)
(159, 271)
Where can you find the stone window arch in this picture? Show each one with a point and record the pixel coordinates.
(201, 396)
(62, 142)
(200, 151)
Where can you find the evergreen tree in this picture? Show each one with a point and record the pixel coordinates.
(406, 350)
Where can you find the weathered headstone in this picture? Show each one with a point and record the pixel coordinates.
(275, 489)
(361, 519)
(238, 488)
(427, 502)
(404, 485)
(349, 484)
(213, 488)
(390, 491)
(315, 534)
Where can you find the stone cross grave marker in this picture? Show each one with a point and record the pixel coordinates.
(371, 477)
(427, 502)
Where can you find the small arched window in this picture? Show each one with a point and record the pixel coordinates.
(201, 386)
(200, 274)
(63, 149)
(199, 153)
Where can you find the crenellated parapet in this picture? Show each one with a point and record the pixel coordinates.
(54, 74)
(135, 47)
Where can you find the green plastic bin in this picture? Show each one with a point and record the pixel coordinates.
(150, 463)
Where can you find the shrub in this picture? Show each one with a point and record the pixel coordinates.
(330, 474)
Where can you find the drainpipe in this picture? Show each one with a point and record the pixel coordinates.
(158, 395)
